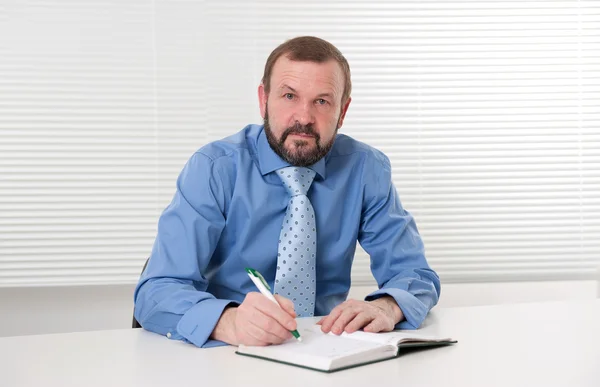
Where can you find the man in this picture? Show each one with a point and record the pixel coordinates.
(289, 199)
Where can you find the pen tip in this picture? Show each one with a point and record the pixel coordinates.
(299, 339)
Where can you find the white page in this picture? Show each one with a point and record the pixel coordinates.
(394, 337)
(317, 349)
(316, 343)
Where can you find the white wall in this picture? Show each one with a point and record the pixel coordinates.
(40, 310)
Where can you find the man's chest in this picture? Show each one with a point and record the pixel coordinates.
(257, 209)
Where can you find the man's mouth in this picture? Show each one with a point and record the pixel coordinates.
(306, 135)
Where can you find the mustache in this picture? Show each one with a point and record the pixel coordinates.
(300, 129)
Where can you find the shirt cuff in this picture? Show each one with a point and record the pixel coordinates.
(199, 321)
(414, 311)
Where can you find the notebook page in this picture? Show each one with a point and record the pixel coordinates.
(394, 337)
(317, 350)
(319, 344)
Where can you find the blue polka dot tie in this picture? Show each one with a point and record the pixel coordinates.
(296, 255)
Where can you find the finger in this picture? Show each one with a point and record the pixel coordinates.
(378, 325)
(251, 340)
(260, 336)
(257, 308)
(327, 321)
(286, 304)
(361, 320)
(274, 311)
(347, 315)
(320, 321)
(269, 325)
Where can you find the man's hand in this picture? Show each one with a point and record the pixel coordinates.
(380, 315)
(257, 321)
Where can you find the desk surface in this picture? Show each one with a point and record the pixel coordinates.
(541, 344)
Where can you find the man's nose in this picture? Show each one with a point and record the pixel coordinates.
(304, 114)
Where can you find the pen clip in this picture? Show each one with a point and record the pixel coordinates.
(259, 276)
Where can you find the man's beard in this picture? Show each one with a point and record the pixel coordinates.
(302, 155)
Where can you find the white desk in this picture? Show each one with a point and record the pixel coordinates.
(542, 344)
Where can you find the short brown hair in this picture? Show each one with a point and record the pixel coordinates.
(309, 49)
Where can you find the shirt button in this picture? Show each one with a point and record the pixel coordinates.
(168, 335)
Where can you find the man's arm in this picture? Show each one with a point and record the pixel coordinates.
(389, 235)
(408, 288)
(171, 297)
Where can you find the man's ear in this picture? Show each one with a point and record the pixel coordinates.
(343, 115)
(262, 100)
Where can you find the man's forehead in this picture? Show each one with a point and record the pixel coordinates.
(292, 73)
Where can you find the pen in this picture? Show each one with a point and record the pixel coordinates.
(264, 288)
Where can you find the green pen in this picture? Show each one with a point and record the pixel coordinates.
(265, 289)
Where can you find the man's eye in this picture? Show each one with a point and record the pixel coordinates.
(321, 101)
(289, 95)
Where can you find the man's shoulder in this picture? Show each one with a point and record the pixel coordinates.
(242, 141)
(347, 146)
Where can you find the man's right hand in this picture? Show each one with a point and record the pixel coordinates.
(257, 321)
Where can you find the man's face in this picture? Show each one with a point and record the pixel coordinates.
(303, 109)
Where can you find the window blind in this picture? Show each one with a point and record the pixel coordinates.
(101, 104)
(488, 110)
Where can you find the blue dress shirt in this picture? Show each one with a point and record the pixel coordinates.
(227, 213)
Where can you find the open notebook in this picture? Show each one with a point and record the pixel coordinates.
(328, 352)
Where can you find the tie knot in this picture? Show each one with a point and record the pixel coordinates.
(297, 180)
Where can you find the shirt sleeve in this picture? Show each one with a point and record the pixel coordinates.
(171, 297)
(388, 233)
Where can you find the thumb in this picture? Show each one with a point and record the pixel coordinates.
(286, 304)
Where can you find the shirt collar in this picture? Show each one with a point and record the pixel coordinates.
(269, 161)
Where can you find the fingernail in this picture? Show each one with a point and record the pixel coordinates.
(290, 325)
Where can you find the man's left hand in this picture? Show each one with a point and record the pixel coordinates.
(380, 315)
